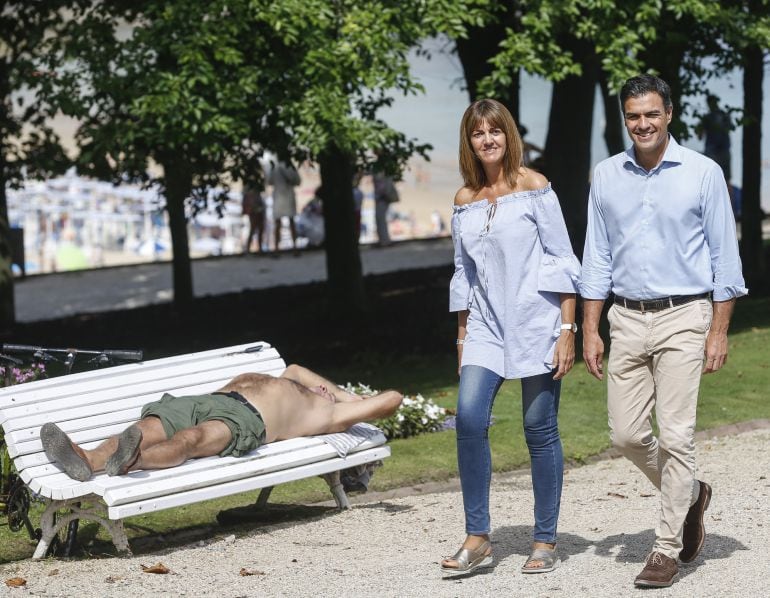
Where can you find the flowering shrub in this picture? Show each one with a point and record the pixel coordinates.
(416, 415)
(20, 375)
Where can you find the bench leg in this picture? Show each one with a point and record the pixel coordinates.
(263, 496)
(51, 522)
(333, 479)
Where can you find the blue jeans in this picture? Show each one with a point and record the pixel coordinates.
(540, 405)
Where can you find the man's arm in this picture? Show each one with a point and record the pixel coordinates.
(716, 341)
(311, 380)
(593, 345)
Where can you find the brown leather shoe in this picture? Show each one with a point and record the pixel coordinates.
(659, 571)
(694, 532)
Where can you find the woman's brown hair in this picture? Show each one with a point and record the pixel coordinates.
(496, 115)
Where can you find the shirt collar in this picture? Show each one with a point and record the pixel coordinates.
(673, 154)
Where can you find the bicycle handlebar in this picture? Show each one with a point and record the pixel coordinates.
(123, 354)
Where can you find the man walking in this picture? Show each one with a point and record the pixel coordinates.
(661, 237)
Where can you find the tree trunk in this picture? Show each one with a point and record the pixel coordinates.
(752, 254)
(177, 187)
(7, 306)
(568, 144)
(613, 123)
(477, 49)
(343, 261)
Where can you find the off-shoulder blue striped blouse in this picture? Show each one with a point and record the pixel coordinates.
(512, 260)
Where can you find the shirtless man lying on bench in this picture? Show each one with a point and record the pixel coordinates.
(250, 410)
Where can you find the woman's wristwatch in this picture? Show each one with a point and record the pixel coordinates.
(572, 327)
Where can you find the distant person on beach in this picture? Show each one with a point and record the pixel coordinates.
(528, 148)
(247, 412)
(514, 291)
(437, 223)
(661, 238)
(716, 127)
(385, 193)
(253, 206)
(284, 177)
(310, 221)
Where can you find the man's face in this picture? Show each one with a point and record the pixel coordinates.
(647, 124)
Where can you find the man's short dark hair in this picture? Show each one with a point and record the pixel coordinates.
(644, 84)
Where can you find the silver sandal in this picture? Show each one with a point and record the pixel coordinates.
(547, 556)
(469, 560)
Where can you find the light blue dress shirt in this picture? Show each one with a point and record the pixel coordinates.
(512, 260)
(669, 231)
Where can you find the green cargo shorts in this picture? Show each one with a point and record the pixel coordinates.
(177, 413)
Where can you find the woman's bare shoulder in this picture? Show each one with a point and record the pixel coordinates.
(531, 180)
(464, 195)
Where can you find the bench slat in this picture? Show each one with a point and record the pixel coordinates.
(247, 484)
(48, 478)
(223, 473)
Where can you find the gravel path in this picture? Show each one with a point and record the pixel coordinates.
(392, 547)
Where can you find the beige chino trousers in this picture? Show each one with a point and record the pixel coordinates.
(656, 361)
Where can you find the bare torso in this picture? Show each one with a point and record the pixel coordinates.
(285, 405)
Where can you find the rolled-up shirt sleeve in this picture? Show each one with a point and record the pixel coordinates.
(719, 231)
(596, 278)
(465, 271)
(559, 268)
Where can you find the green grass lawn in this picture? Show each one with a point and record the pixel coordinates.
(736, 394)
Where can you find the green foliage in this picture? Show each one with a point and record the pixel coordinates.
(216, 83)
(28, 146)
(348, 58)
(621, 31)
(178, 81)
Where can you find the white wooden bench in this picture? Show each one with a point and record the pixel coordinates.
(92, 406)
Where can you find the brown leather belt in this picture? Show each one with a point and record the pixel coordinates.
(660, 303)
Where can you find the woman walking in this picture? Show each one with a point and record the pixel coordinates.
(514, 293)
